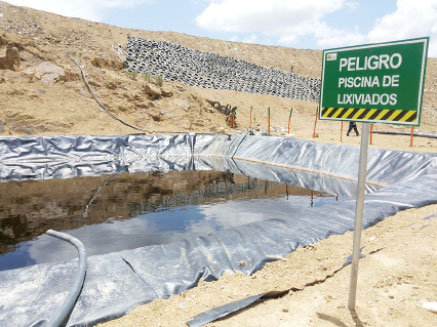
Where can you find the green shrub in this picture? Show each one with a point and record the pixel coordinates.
(147, 77)
(159, 80)
(131, 73)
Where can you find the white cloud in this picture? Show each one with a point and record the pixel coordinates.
(328, 36)
(352, 4)
(410, 19)
(274, 18)
(289, 20)
(232, 214)
(87, 9)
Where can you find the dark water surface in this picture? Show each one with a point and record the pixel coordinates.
(125, 211)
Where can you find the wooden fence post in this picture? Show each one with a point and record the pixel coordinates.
(289, 120)
(411, 137)
(341, 132)
(315, 123)
(268, 120)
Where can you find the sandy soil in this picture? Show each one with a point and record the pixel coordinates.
(41, 93)
(35, 102)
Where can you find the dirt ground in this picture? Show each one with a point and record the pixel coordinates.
(42, 93)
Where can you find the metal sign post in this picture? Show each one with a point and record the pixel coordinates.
(359, 208)
(372, 83)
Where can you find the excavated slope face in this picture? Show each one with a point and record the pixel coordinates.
(208, 70)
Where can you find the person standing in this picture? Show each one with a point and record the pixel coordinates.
(352, 126)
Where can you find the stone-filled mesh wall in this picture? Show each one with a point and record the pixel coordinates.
(208, 70)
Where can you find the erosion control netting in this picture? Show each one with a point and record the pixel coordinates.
(209, 70)
(117, 282)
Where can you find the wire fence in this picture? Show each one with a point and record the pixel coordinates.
(268, 120)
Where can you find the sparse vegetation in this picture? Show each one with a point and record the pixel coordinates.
(159, 80)
(131, 73)
(147, 77)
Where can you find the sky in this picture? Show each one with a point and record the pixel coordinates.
(302, 24)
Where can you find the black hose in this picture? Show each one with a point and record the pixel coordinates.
(100, 103)
(107, 111)
(61, 316)
(432, 136)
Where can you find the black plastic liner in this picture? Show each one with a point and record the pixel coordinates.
(117, 282)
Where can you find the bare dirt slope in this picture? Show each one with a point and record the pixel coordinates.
(41, 91)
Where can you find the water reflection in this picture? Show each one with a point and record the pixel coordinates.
(117, 212)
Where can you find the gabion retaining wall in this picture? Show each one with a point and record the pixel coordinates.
(208, 70)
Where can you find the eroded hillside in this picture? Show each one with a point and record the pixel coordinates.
(42, 92)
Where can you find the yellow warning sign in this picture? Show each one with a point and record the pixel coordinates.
(375, 115)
